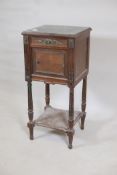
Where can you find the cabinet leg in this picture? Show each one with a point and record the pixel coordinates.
(71, 117)
(47, 94)
(83, 106)
(31, 126)
(30, 110)
(70, 134)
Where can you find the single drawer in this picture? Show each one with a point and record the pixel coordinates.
(49, 62)
(48, 42)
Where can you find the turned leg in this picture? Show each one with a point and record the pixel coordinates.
(30, 109)
(47, 94)
(71, 117)
(83, 106)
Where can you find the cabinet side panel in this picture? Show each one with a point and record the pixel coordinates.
(81, 56)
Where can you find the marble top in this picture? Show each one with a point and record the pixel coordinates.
(56, 30)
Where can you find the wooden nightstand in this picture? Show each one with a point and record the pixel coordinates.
(57, 55)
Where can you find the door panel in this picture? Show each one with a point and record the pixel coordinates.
(46, 61)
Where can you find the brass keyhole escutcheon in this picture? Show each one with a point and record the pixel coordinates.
(38, 62)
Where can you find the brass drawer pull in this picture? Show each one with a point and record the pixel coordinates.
(49, 42)
(38, 62)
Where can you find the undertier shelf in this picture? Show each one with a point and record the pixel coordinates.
(56, 118)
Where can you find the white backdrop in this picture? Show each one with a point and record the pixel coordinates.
(101, 126)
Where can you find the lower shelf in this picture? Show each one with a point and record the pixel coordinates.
(56, 119)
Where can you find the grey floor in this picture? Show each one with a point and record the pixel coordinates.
(95, 148)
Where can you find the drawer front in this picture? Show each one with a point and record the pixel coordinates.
(48, 42)
(49, 62)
